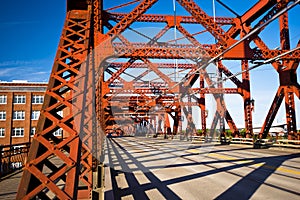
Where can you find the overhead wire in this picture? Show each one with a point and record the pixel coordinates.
(214, 59)
(175, 40)
(260, 64)
(248, 35)
(122, 5)
(183, 37)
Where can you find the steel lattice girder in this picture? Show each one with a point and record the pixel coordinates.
(61, 157)
(64, 168)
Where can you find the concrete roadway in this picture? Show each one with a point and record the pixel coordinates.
(148, 168)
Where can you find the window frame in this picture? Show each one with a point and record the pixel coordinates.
(40, 99)
(2, 96)
(20, 129)
(34, 115)
(2, 113)
(16, 111)
(32, 130)
(58, 132)
(2, 132)
(18, 97)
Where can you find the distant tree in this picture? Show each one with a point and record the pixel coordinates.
(199, 132)
(228, 133)
(243, 132)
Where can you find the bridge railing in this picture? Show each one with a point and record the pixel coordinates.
(287, 143)
(241, 140)
(205, 139)
(269, 142)
(249, 141)
(13, 157)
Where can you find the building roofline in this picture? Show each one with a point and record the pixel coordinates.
(33, 84)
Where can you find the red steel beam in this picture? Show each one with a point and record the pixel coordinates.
(188, 52)
(83, 30)
(75, 157)
(165, 18)
(131, 17)
(159, 65)
(206, 21)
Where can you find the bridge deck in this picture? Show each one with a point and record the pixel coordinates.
(149, 168)
(161, 169)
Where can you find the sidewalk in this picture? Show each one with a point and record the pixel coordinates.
(9, 185)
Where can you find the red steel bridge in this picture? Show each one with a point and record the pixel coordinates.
(120, 69)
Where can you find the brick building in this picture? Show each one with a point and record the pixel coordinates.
(20, 105)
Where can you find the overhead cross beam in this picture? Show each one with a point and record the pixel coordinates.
(86, 87)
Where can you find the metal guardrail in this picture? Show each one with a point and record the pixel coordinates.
(205, 139)
(246, 141)
(13, 157)
(285, 143)
(241, 140)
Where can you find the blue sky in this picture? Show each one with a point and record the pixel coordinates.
(30, 32)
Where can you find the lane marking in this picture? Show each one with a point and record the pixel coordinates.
(215, 155)
(236, 160)
(194, 151)
(229, 158)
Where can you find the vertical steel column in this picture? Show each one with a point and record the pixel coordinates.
(176, 119)
(288, 78)
(247, 99)
(202, 106)
(221, 96)
(62, 168)
(288, 86)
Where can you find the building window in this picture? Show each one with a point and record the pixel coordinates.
(2, 132)
(19, 115)
(35, 115)
(17, 132)
(32, 131)
(3, 99)
(19, 99)
(2, 115)
(37, 99)
(58, 132)
(60, 113)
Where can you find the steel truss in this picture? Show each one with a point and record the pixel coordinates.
(98, 95)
